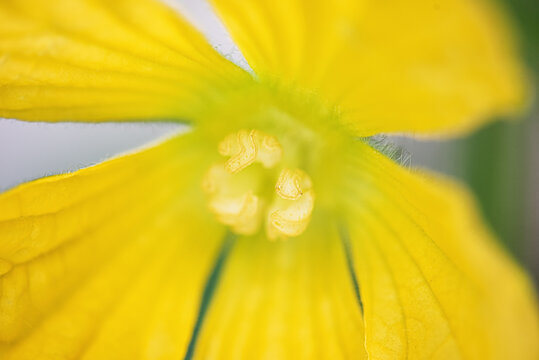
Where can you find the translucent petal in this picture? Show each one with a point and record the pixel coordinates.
(433, 280)
(97, 60)
(289, 299)
(108, 262)
(392, 66)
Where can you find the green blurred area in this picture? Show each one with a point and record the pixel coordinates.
(499, 159)
(495, 168)
(526, 16)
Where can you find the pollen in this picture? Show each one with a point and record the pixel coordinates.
(246, 147)
(291, 211)
(239, 194)
(292, 184)
(241, 213)
(233, 199)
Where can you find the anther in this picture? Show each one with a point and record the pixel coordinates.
(292, 183)
(234, 194)
(291, 212)
(246, 147)
(232, 204)
(241, 213)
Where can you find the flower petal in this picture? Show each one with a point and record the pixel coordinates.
(97, 60)
(392, 66)
(108, 262)
(434, 282)
(284, 300)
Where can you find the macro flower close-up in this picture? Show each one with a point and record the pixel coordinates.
(277, 225)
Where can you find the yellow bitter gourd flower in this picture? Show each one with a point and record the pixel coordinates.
(271, 229)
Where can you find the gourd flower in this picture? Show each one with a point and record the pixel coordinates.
(272, 229)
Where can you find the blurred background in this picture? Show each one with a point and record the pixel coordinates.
(499, 162)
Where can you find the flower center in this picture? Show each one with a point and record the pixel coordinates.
(250, 189)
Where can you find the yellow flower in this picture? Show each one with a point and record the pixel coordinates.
(272, 229)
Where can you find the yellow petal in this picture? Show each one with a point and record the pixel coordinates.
(97, 60)
(392, 66)
(108, 262)
(284, 300)
(433, 280)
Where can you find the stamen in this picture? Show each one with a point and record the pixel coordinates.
(241, 213)
(214, 178)
(245, 147)
(232, 204)
(291, 212)
(291, 183)
(234, 194)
